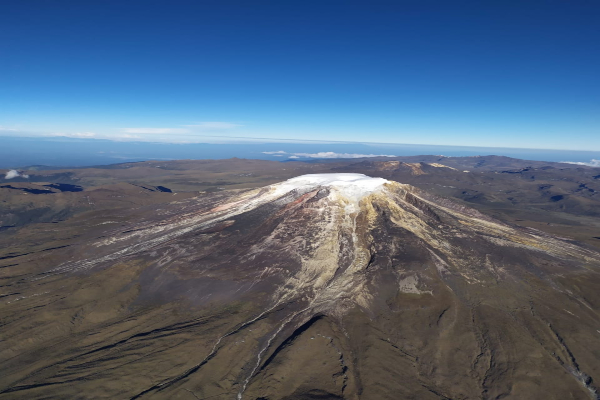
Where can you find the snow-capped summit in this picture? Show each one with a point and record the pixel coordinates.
(352, 186)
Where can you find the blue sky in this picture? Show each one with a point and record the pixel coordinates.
(484, 73)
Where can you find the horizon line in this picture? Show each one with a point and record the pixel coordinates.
(264, 139)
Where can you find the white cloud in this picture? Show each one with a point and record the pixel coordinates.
(155, 130)
(324, 154)
(3, 128)
(92, 135)
(331, 154)
(76, 135)
(208, 126)
(13, 173)
(592, 163)
(214, 126)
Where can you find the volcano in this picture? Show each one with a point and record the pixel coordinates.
(324, 286)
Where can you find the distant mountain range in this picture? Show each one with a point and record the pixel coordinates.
(58, 151)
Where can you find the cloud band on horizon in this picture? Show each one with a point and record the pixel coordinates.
(325, 154)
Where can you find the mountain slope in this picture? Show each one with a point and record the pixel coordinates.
(322, 286)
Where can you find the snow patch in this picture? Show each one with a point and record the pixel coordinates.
(441, 166)
(352, 186)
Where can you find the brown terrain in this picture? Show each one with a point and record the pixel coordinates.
(425, 278)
